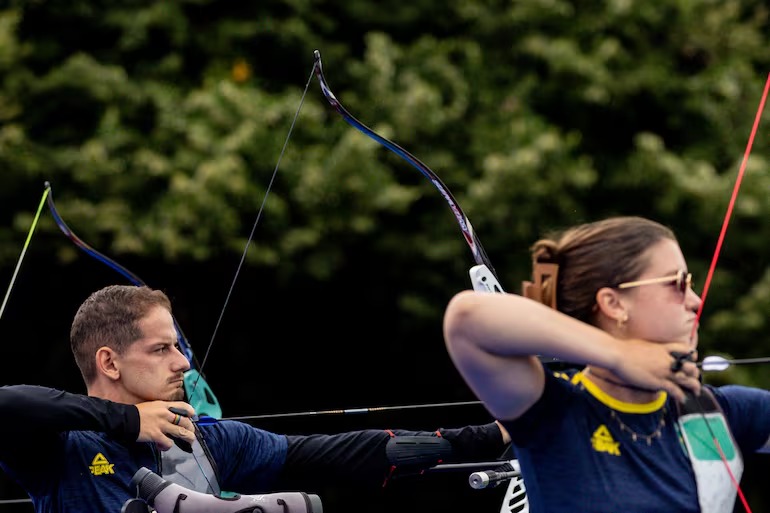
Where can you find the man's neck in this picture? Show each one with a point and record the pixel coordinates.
(111, 393)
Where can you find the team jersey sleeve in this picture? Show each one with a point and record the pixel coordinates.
(371, 457)
(32, 411)
(548, 408)
(36, 420)
(748, 413)
(248, 460)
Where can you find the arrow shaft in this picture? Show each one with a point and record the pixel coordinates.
(352, 411)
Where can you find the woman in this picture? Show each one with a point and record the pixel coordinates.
(615, 297)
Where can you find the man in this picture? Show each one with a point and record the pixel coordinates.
(76, 453)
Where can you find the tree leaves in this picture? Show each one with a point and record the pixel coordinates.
(160, 130)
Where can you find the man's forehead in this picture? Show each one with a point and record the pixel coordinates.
(158, 324)
(156, 318)
(154, 338)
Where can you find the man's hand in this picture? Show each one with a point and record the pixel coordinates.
(160, 425)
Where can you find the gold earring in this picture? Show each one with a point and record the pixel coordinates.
(622, 321)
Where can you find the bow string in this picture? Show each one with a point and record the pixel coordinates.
(723, 364)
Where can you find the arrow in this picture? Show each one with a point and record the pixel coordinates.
(350, 411)
(718, 363)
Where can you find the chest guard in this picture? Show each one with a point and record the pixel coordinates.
(715, 457)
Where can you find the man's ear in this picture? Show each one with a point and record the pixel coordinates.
(610, 305)
(106, 363)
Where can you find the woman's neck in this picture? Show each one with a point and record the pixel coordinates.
(614, 386)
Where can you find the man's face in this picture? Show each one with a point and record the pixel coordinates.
(152, 368)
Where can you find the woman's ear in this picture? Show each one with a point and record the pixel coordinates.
(106, 363)
(610, 305)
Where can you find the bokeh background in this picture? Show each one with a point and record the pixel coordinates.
(162, 128)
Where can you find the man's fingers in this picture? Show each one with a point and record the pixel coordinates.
(182, 408)
(180, 420)
(164, 443)
(167, 439)
(184, 432)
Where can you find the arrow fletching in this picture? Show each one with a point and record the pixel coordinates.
(714, 363)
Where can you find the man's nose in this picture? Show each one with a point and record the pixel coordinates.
(181, 362)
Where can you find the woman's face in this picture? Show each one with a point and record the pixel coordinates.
(662, 311)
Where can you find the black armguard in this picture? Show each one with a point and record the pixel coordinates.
(417, 451)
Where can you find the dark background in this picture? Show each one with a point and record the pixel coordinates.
(274, 353)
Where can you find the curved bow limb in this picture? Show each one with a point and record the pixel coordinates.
(197, 390)
(483, 274)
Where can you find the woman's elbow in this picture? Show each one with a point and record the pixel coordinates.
(458, 316)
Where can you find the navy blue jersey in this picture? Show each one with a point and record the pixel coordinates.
(582, 450)
(74, 453)
(67, 470)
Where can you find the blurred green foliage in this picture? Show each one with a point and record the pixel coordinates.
(160, 126)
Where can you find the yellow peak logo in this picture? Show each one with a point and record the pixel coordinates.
(602, 441)
(100, 465)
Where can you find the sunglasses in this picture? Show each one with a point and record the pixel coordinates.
(682, 279)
